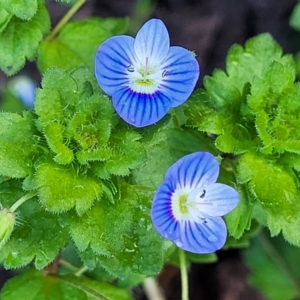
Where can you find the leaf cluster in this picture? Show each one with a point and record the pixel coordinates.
(77, 155)
(252, 112)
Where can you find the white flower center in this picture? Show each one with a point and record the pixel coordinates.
(185, 204)
(144, 78)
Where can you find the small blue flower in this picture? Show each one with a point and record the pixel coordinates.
(145, 76)
(188, 205)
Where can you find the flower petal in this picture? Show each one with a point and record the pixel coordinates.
(139, 109)
(198, 169)
(162, 215)
(152, 43)
(181, 72)
(205, 237)
(217, 200)
(113, 58)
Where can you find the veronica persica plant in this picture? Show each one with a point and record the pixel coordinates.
(145, 76)
(188, 205)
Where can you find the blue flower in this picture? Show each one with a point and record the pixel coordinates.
(188, 205)
(145, 76)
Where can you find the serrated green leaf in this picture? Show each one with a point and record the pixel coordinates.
(28, 240)
(95, 228)
(16, 144)
(243, 64)
(269, 183)
(274, 103)
(49, 109)
(54, 135)
(4, 19)
(62, 188)
(132, 246)
(20, 40)
(61, 81)
(127, 153)
(23, 9)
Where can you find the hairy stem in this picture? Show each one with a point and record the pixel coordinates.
(65, 19)
(279, 261)
(184, 276)
(22, 200)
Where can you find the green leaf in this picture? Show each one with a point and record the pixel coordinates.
(16, 144)
(23, 9)
(77, 43)
(20, 40)
(239, 219)
(4, 19)
(295, 17)
(269, 183)
(243, 64)
(114, 25)
(95, 229)
(36, 285)
(62, 188)
(128, 153)
(54, 135)
(55, 54)
(268, 101)
(28, 241)
(83, 38)
(276, 256)
(131, 247)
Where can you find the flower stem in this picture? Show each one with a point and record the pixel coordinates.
(184, 276)
(152, 289)
(81, 270)
(65, 19)
(22, 200)
(279, 261)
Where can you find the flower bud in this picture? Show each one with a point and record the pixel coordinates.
(7, 223)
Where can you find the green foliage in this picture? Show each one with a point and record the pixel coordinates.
(295, 17)
(23, 9)
(278, 277)
(36, 285)
(77, 43)
(129, 246)
(252, 109)
(70, 150)
(20, 38)
(16, 144)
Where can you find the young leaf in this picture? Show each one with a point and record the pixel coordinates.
(62, 188)
(269, 183)
(16, 144)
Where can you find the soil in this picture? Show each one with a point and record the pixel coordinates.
(209, 27)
